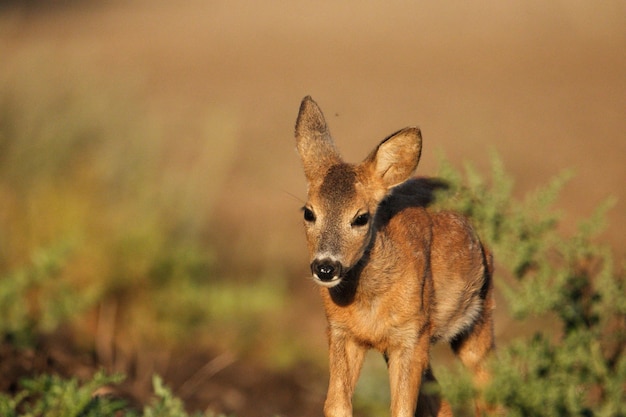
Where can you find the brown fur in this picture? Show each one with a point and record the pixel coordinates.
(394, 276)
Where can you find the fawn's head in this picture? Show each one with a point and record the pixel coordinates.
(339, 216)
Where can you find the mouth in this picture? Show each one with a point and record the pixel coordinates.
(334, 281)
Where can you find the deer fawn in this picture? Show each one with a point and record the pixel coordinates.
(393, 276)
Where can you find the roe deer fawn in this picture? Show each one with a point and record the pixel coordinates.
(394, 276)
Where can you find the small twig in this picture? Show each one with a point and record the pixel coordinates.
(206, 372)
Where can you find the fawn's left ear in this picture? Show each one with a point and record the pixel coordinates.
(313, 141)
(395, 159)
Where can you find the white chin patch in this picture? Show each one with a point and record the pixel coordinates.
(328, 284)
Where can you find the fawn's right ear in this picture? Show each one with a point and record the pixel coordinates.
(395, 159)
(313, 141)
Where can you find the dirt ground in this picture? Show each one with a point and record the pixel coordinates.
(542, 84)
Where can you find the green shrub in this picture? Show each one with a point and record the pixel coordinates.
(574, 364)
(53, 396)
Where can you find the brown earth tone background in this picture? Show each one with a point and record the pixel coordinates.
(542, 84)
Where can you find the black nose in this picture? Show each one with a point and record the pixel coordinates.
(325, 269)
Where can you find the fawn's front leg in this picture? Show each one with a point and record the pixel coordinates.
(346, 359)
(406, 365)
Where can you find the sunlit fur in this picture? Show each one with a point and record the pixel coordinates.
(406, 278)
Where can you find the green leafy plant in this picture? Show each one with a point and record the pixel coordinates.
(53, 396)
(574, 363)
(33, 300)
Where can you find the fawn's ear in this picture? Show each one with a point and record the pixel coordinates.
(395, 159)
(313, 141)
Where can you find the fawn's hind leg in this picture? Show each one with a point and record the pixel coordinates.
(474, 347)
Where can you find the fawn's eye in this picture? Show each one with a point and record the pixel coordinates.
(361, 220)
(309, 216)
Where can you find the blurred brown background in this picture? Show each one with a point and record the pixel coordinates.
(543, 84)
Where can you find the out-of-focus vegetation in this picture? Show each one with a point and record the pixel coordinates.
(105, 219)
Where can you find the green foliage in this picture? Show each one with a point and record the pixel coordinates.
(33, 300)
(575, 365)
(53, 396)
(164, 404)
